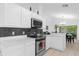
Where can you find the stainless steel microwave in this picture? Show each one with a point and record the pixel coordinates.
(35, 23)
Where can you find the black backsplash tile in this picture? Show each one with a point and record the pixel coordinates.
(6, 31)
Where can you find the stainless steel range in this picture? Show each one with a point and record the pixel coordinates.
(40, 39)
(36, 32)
(40, 45)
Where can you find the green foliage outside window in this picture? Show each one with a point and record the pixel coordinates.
(69, 29)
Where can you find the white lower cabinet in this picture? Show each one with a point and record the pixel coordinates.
(30, 48)
(53, 42)
(17, 46)
(58, 43)
(48, 42)
(12, 46)
(14, 51)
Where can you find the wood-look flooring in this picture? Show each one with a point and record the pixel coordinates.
(71, 50)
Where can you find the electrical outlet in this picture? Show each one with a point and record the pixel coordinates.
(13, 33)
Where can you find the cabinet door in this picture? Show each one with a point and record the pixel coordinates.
(53, 42)
(2, 15)
(30, 48)
(59, 43)
(47, 45)
(48, 42)
(13, 47)
(44, 24)
(12, 15)
(34, 15)
(26, 18)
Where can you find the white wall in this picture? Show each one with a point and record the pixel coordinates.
(78, 30)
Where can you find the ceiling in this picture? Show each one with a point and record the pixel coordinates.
(52, 10)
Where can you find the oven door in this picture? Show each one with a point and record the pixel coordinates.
(40, 46)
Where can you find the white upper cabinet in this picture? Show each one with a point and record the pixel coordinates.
(34, 15)
(12, 15)
(44, 24)
(26, 18)
(2, 15)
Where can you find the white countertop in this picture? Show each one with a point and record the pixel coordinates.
(56, 35)
(13, 37)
